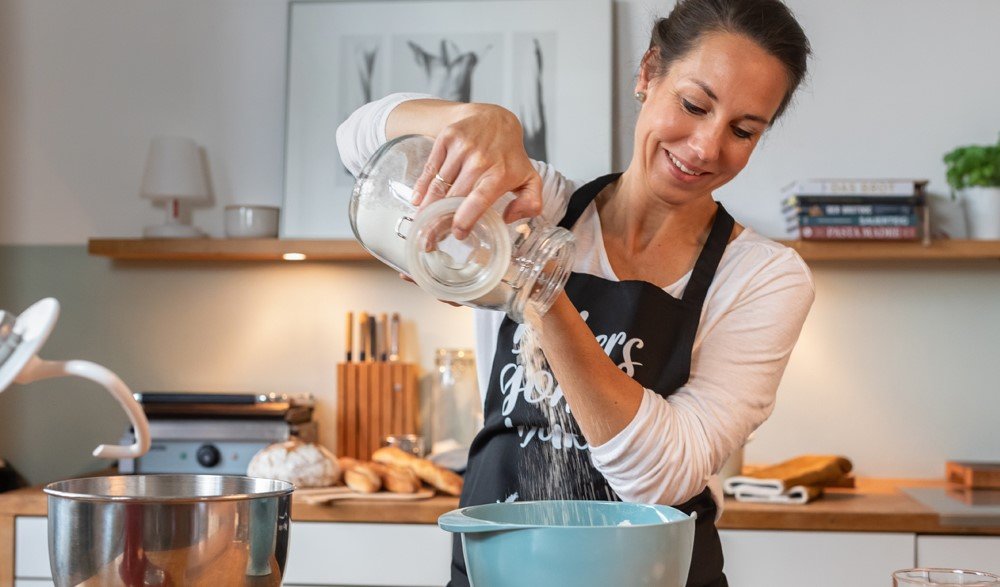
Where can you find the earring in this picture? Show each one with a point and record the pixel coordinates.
(640, 96)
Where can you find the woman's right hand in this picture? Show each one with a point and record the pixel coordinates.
(482, 156)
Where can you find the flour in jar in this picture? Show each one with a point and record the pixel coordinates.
(375, 222)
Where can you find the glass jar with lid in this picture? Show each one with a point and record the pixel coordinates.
(498, 266)
(456, 405)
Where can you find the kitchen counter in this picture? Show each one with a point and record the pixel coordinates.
(875, 505)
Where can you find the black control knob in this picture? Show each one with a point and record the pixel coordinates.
(208, 455)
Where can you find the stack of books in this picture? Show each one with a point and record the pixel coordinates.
(856, 209)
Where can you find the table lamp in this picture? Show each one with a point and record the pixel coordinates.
(20, 339)
(174, 172)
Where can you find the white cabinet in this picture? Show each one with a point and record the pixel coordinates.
(419, 555)
(31, 549)
(758, 558)
(978, 553)
(391, 555)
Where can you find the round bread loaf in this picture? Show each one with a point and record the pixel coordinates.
(301, 464)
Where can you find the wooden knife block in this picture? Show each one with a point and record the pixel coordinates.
(375, 399)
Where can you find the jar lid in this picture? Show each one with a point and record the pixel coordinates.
(457, 270)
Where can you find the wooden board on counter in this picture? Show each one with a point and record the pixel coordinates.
(422, 511)
(973, 475)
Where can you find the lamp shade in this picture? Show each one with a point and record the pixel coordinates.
(174, 170)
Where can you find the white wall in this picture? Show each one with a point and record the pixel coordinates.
(896, 368)
(251, 327)
(86, 85)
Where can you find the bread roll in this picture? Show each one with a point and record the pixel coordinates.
(440, 478)
(397, 479)
(346, 463)
(359, 476)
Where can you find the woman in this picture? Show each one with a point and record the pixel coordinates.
(675, 327)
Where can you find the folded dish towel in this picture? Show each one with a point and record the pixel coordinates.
(795, 495)
(797, 480)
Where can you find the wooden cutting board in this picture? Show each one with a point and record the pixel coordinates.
(976, 475)
(320, 495)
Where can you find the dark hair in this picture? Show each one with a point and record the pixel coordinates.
(769, 23)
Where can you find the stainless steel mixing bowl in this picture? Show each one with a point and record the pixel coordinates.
(168, 530)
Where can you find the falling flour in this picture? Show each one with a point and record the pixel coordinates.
(560, 467)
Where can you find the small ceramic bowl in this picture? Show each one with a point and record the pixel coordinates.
(251, 221)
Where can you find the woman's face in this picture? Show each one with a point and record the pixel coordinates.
(702, 119)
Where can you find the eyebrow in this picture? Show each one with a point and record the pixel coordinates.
(715, 98)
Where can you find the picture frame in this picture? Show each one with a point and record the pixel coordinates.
(548, 61)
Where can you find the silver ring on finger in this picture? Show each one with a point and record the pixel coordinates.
(437, 176)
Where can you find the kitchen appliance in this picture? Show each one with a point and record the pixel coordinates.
(21, 338)
(168, 530)
(217, 433)
(579, 543)
(497, 266)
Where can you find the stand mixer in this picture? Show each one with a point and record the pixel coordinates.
(147, 530)
(22, 336)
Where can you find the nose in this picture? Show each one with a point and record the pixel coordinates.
(706, 142)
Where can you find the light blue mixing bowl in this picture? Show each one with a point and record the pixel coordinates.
(579, 543)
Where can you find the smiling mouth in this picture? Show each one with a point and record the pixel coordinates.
(684, 168)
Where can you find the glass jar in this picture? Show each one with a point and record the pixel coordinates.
(456, 406)
(497, 267)
(941, 577)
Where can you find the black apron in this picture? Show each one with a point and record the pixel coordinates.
(649, 334)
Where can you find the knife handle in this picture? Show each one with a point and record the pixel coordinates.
(362, 336)
(349, 344)
(394, 337)
(383, 337)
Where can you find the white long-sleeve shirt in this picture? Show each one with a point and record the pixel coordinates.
(751, 319)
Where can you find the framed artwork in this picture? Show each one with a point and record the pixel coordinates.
(548, 61)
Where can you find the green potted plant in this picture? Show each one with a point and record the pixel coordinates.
(973, 172)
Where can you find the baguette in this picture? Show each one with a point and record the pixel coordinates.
(397, 479)
(359, 476)
(438, 477)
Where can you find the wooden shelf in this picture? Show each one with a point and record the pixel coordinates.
(210, 249)
(349, 250)
(813, 251)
